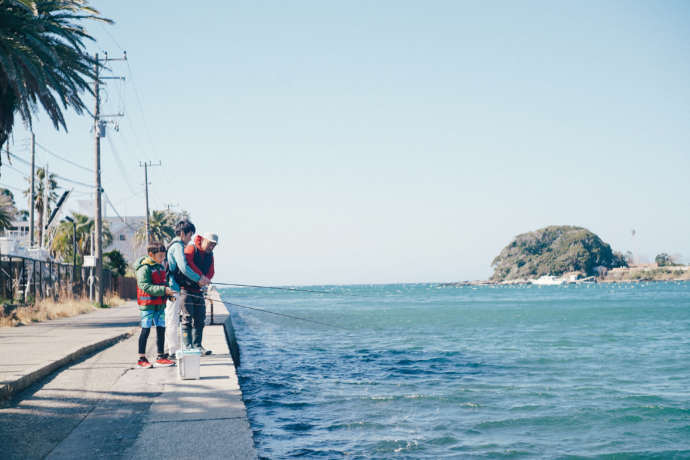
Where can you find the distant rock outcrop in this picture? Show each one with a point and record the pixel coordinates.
(554, 250)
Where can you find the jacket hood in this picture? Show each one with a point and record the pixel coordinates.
(145, 260)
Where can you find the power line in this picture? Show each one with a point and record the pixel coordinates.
(24, 174)
(73, 181)
(11, 187)
(146, 166)
(57, 176)
(63, 158)
(141, 109)
(112, 206)
(128, 198)
(120, 165)
(22, 160)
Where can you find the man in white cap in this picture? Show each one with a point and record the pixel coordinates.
(200, 259)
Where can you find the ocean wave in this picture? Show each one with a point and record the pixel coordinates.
(361, 425)
(297, 426)
(474, 375)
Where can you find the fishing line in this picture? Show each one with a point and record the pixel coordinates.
(279, 288)
(267, 311)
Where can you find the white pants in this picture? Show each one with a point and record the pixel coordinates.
(172, 323)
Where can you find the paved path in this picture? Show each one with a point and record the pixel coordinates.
(29, 353)
(105, 407)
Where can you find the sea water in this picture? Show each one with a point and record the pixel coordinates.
(426, 371)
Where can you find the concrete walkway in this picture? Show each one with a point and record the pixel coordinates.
(105, 407)
(29, 353)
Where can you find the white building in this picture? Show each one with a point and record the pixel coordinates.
(124, 240)
(14, 241)
(123, 231)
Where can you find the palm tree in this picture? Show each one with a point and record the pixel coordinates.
(161, 228)
(40, 193)
(7, 211)
(62, 242)
(43, 59)
(115, 262)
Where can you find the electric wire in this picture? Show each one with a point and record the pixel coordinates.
(73, 181)
(12, 168)
(11, 187)
(141, 108)
(119, 163)
(107, 199)
(63, 158)
(20, 159)
(136, 94)
(57, 176)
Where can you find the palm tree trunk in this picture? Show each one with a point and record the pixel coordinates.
(40, 227)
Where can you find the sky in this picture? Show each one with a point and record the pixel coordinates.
(392, 141)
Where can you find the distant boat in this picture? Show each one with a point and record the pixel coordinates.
(548, 280)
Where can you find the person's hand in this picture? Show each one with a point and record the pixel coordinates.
(204, 281)
(169, 292)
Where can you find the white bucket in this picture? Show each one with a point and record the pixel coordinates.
(189, 363)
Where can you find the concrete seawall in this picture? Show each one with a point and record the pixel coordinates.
(103, 406)
(222, 316)
(231, 339)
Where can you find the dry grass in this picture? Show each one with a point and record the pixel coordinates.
(113, 300)
(49, 309)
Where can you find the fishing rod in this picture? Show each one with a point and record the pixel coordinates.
(266, 311)
(276, 287)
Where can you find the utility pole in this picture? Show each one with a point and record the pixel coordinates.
(146, 166)
(97, 214)
(46, 197)
(33, 196)
(99, 131)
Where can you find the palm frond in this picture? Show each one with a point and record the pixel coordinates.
(43, 59)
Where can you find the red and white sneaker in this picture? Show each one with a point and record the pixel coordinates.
(144, 363)
(164, 362)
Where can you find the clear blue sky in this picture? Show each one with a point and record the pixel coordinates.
(367, 142)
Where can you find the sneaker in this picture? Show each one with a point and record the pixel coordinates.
(164, 362)
(144, 363)
(204, 351)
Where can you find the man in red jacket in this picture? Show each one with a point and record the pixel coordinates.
(200, 259)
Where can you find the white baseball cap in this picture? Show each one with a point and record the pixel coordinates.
(212, 237)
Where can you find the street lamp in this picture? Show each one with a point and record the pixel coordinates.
(74, 245)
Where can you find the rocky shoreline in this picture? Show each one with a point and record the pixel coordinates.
(633, 274)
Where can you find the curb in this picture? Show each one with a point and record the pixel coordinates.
(9, 389)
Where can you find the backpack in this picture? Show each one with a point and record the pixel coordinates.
(177, 274)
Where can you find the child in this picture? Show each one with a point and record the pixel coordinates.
(151, 292)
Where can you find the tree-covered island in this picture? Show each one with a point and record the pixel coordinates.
(555, 251)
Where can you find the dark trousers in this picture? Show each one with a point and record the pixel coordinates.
(144, 337)
(193, 318)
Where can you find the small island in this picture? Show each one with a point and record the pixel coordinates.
(555, 251)
(561, 254)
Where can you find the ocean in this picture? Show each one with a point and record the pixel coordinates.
(430, 372)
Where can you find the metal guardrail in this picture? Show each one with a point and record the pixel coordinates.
(24, 280)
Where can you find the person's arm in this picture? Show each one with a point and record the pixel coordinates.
(211, 269)
(181, 262)
(145, 284)
(189, 257)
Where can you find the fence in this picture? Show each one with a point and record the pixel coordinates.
(24, 280)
